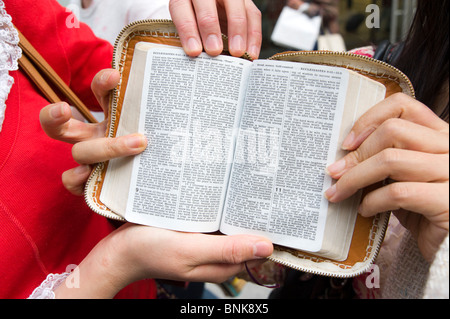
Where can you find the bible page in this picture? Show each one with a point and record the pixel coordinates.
(288, 135)
(116, 183)
(362, 94)
(190, 110)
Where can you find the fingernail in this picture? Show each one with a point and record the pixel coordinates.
(237, 44)
(330, 192)
(253, 51)
(348, 141)
(193, 45)
(262, 249)
(57, 110)
(359, 209)
(336, 168)
(135, 141)
(212, 43)
(362, 212)
(105, 76)
(82, 169)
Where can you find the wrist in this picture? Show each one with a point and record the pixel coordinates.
(101, 275)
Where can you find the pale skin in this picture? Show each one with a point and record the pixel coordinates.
(402, 140)
(201, 23)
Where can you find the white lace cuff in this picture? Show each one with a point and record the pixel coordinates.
(9, 55)
(48, 286)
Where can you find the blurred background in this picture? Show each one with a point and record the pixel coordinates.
(394, 16)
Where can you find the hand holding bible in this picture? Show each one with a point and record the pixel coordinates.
(205, 199)
(402, 141)
(134, 252)
(168, 254)
(201, 23)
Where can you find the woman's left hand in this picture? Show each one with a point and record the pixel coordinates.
(402, 141)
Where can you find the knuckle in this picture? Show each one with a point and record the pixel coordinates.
(231, 253)
(175, 4)
(110, 148)
(392, 128)
(399, 192)
(405, 102)
(389, 157)
(399, 98)
(59, 134)
(238, 20)
(354, 157)
(186, 27)
(207, 20)
(255, 34)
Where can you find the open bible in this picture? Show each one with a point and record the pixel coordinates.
(242, 146)
(238, 146)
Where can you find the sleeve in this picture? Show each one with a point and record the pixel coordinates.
(46, 290)
(437, 285)
(144, 9)
(69, 46)
(409, 272)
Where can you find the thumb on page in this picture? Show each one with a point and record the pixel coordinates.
(220, 257)
(234, 249)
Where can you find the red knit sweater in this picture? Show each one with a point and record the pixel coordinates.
(44, 228)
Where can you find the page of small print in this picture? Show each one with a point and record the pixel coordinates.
(284, 120)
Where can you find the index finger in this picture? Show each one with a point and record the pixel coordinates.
(396, 106)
